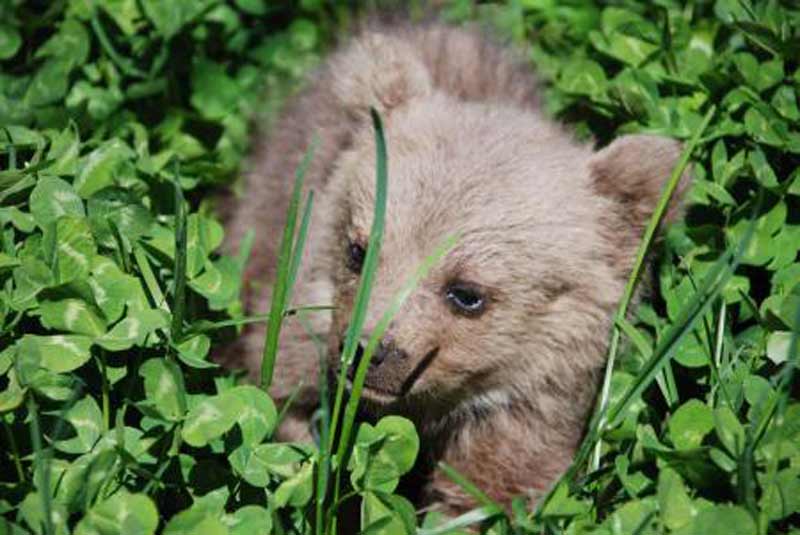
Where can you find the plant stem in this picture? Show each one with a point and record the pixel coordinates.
(15, 451)
(41, 460)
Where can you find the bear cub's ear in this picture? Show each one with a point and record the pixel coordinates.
(378, 71)
(633, 171)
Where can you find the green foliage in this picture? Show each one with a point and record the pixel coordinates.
(117, 117)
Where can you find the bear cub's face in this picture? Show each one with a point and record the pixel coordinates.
(546, 231)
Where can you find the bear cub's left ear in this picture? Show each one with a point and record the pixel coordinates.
(633, 171)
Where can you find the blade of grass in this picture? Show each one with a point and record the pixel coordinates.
(245, 248)
(281, 288)
(777, 404)
(41, 461)
(367, 272)
(179, 283)
(206, 326)
(365, 284)
(713, 283)
(324, 454)
(469, 518)
(633, 279)
(468, 486)
(670, 342)
(122, 254)
(12, 442)
(646, 351)
(150, 280)
(299, 246)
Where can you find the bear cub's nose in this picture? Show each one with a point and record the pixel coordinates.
(386, 351)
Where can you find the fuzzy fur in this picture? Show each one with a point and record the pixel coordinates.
(547, 229)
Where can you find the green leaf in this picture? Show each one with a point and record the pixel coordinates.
(249, 520)
(74, 316)
(53, 198)
(583, 77)
(195, 521)
(87, 423)
(256, 465)
(765, 127)
(49, 84)
(113, 290)
(124, 209)
(194, 350)
(33, 513)
(720, 520)
(164, 388)
(211, 418)
(100, 168)
(673, 500)
(214, 93)
(10, 41)
(70, 44)
(785, 102)
(83, 478)
(778, 345)
(781, 493)
(691, 422)
(729, 430)
(635, 516)
(64, 152)
(297, 490)
(133, 329)
(383, 453)
(387, 514)
(257, 416)
(561, 504)
(131, 514)
(169, 17)
(59, 353)
(12, 396)
(125, 13)
(74, 248)
(761, 168)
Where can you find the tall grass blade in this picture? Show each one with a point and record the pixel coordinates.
(299, 246)
(41, 461)
(633, 279)
(367, 271)
(689, 316)
(281, 288)
(179, 283)
(203, 326)
(150, 280)
(470, 518)
(468, 486)
(367, 275)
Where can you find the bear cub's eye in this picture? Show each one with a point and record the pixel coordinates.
(465, 299)
(355, 256)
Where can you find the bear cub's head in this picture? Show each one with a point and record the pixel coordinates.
(546, 231)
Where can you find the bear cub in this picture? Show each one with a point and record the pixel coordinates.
(497, 354)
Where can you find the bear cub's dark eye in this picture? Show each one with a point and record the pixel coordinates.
(355, 256)
(465, 299)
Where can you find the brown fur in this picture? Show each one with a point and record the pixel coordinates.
(547, 229)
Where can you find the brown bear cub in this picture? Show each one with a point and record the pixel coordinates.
(497, 354)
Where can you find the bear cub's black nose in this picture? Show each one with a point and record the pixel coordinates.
(385, 350)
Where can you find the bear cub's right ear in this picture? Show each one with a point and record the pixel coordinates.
(378, 71)
(633, 171)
